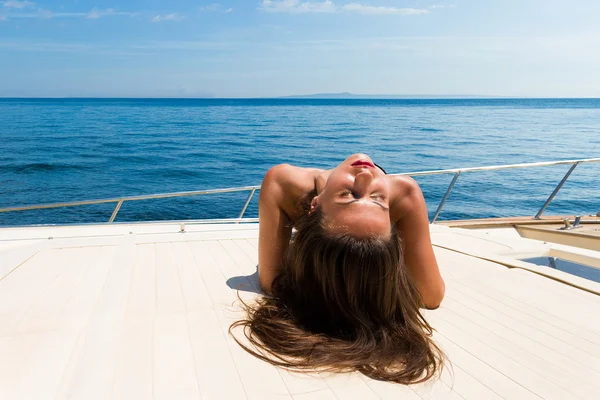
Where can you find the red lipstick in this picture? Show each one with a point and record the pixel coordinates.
(363, 163)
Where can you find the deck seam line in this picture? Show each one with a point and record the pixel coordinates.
(491, 367)
(225, 337)
(511, 266)
(471, 337)
(514, 360)
(528, 314)
(520, 333)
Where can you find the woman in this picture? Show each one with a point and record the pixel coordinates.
(345, 294)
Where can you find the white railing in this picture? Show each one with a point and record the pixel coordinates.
(252, 189)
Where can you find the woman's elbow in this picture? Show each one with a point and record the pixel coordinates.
(434, 298)
(265, 284)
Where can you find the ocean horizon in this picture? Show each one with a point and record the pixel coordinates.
(71, 149)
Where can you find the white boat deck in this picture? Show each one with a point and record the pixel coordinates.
(102, 313)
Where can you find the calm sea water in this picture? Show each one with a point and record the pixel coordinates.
(80, 149)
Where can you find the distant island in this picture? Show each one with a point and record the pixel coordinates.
(346, 95)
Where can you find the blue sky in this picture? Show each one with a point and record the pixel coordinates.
(253, 48)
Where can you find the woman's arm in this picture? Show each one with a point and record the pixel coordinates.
(275, 228)
(419, 259)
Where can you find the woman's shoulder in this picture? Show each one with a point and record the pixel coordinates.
(291, 177)
(286, 184)
(405, 197)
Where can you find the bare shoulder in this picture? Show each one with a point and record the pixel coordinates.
(283, 184)
(289, 177)
(406, 196)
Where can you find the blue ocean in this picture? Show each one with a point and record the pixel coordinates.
(59, 150)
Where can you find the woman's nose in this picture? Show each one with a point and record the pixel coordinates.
(362, 182)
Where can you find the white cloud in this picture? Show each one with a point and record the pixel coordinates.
(17, 4)
(297, 6)
(96, 13)
(47, 14)
(437, 6)
(381, 10)
(216, 7)
(169, 17)
(328, 6)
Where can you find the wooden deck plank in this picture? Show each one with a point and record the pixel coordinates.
(436, 391)
(135, 365)
(250, 251)
(76, 313)
(216, 372)
(141, 302)
(300, 384)
(46, 312)
(465, 385)
(561, 341)
(552, 297)
(252, 371)
(567, 361)
(95, 367)
(150, 320)
(504, 280)
(503, 385)
(47, 360)
(169, 297)
(232, 266)
(197, 236)
(26, 285)
(324, 394)
(389, 390)
(498, 290)
(174, 371)
(348, 386)
(253, 242)
(247, 279)
(589, 300)
(195, 293)
(212, 276)
(537, 320)
(13, 353)
(535, 381)
(570, 383)
(13, 257)
(225, 260)
(246, 264)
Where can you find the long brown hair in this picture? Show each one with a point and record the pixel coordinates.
(343, 304)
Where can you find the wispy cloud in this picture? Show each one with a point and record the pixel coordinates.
(47, 14)
(97, 13)
(216, 7)
(381, 10)
(17, 4)
(297, 6)
(92, 49)
(437, 6)
(328, 6)
(168, 17)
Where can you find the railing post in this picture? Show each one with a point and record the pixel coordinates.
(247, 203)
(556, 189)
(439, 210)
(114, 214)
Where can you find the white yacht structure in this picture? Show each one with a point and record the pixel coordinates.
(142, 310)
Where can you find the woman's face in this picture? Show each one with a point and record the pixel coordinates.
(355, 198)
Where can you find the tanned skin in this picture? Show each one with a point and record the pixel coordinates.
(359, 199)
